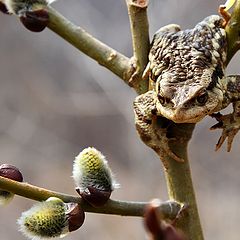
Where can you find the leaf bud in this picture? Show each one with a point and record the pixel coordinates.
(228, 4)
(3, 8)
(93, 177)
(51, 218)
(11, 172)
(156, 227)
(36, 20)
(33, 14)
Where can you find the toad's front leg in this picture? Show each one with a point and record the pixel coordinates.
(151, 127)
(230, 123)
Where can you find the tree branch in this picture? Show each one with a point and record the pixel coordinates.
(137, 10)
(79, 38)
(168, 210)
(179, 180)
(178, 174)
(233, 32)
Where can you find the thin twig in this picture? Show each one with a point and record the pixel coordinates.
(169, 209)
(79, 38)
(137, 11)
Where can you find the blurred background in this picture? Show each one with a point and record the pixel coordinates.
(54, 101)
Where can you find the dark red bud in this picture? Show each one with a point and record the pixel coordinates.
(3, 8)
(75, 215)
(170, 233)
(11, 172)
(158, 228)
(35, 21)
(94, 196)
(152, 220)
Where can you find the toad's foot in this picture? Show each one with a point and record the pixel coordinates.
(223, 10)
(149, 127)
(230, 127)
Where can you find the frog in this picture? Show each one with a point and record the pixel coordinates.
(187, 72)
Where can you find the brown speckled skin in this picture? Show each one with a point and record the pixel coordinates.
(186, 64)
(187, 68)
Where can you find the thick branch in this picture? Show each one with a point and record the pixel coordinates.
(137, 10)
(169, 209)
(178, 174)
(179, 180)
(79, 38)
(169, 140)
(233, 32)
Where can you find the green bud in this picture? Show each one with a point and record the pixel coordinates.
(11, 172)
(93, 177)
(228, 4)
(52, 218)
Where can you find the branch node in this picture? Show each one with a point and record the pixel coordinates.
(112, 56)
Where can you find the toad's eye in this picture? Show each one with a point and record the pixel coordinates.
(202, 98)
(163, 100)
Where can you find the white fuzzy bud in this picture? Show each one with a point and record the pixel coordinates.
(52, 218)
(93, 177)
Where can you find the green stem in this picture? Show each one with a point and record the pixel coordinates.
(168, 210)
(178, 175)
(137, 11)
(79, 38)
(233, 30)
(179, 181)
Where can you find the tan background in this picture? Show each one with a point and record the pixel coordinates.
(54, 101)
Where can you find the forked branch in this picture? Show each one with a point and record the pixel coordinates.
(168, 210)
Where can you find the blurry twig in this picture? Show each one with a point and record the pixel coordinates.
(168, 210)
